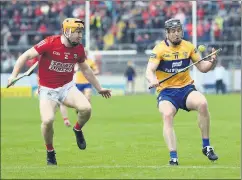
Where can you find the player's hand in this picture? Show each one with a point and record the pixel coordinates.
(105, 93)
(154, 84)
(10, 79)
(67, 123)
(213, 57)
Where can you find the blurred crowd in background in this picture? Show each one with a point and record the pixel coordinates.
(114, 25)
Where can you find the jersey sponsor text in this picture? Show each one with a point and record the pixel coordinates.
(61, 67)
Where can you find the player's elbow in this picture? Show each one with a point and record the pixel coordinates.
(204, 70)
(203, 67)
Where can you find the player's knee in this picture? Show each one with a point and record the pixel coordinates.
(85, 110)
(48, 120)
(168, 116)
(203, 106)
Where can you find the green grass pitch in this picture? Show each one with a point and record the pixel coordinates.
(124, 140)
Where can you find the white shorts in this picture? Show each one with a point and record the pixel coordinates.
(56, 94)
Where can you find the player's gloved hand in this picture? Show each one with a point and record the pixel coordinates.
(67, 123)
(105, 93)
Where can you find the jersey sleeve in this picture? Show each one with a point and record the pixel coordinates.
(43, 46)
(82, 56)
(156, 56)
(194, 54)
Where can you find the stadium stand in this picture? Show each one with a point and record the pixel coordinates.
(119, 25)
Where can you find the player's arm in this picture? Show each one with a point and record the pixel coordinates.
(206, 65)
(29, 54)
(33, 52)
(150, 74)
(89, 75)
(153, 63)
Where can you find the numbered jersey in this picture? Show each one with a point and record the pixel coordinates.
(170, 59)
(56, 62)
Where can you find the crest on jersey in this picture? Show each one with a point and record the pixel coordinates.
(185, 54)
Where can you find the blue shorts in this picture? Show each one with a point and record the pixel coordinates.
(130, 78)
(177, 96)
(82, 87)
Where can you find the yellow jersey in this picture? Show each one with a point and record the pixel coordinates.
(170, 59)
(79, 77)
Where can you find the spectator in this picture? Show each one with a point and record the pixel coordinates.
(23, 40)
(219, 71)
(130, 78)
(180, 15)
(221, 17)
(5, 34)
(108, 40)
(8, 64)
(42, 28)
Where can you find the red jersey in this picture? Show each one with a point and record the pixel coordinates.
(56, 63)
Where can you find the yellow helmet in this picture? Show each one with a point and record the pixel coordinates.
(72, 23)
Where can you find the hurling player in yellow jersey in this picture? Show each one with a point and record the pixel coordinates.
(82, 83)
(167, 57)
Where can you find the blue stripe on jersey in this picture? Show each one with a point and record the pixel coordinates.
(171, 66)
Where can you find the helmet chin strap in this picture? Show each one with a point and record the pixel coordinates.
(73, 44)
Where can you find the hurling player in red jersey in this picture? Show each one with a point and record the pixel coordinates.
(63, 108)
(58, 55)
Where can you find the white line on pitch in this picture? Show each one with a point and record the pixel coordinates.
(124, 166)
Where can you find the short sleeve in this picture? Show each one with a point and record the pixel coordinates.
(43, 46)
(82, 56)
(195, 56)
(155, 55)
